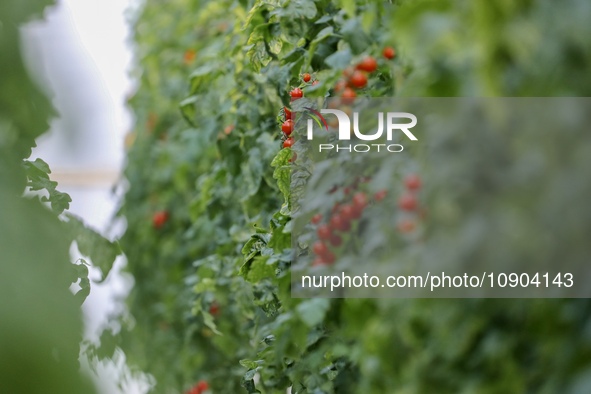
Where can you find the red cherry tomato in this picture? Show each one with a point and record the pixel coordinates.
(412, 182)
(407, 202)
(380, 195)
(160, 218)
(336, 240)
(329, 258)
(320, 248)
(287, 127)
(347, 212)
(360, 200)
(358, 79)
(348, 96)
(337, 222)
(368, 64)
(214, 308)
(296, 93)
(324, 232)
(389, 53)
(340, 86)
(288, 143)
(202, 386)
(287, 113)
(406, 226)
(316, 218)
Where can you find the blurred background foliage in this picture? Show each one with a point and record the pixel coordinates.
(208, 230)
(40, 320)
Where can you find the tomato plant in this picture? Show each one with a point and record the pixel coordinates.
(228, 237)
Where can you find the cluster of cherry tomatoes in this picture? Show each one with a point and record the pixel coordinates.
(288, 117)
(356, 77)
(344, 214)
(342, 217)
(287, 126)
(409, 203)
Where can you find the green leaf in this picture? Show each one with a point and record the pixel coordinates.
(324, 19)
(349, 7)
(250, 374)
(283, 171)
(259, 270)
(38, 179)
(257, 48)
(256, 8)
(281, 158)
(248, 383)
(81, 276)
(59, 201)
(312, 311)
(255, 243)
(204, 73)
(353, 34)
(83, 293)
(93, 245)
(323, 34)
(252, 171)
(339, 60)
(368, 18)
(250, 364)
(39, 165)
(188, 111)
(209, 321)
(301, 8)
(280, 238)
(275, 43)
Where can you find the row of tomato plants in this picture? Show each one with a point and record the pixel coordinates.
(212, 307)
(248, 94)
